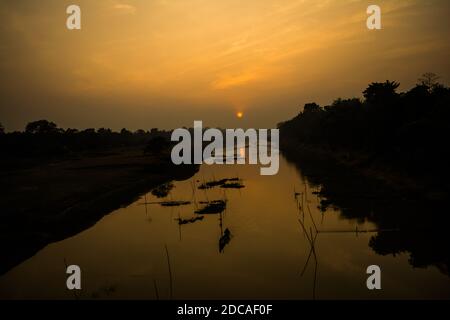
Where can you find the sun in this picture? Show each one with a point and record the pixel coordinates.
(240, 115)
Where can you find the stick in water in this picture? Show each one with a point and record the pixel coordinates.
(170, 272)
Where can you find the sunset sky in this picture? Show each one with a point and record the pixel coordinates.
(165, 63)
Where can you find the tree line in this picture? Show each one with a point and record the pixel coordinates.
(408, 129)
(44, 138)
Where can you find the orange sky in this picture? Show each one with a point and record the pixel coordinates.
(166, 63)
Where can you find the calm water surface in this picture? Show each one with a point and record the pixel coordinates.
(124, 254)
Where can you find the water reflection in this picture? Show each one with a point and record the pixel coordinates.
(403, 224)
(293, 236)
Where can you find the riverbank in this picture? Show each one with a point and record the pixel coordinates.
(395, 137)
(387, 172)
(51, 201)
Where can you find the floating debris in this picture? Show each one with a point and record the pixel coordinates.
(174, 203)
(212, 207)
(224, 240)
(216, 183)
(233, 185)
(192, 220)
(168, 203)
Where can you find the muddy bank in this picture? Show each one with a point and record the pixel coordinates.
(50, 202)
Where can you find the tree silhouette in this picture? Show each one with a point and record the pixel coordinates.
(43, 139)
(104, 131)
(429, 79)
(311, 107)
(378, 92)
(125, 132)
(407, 128)
(2, 129)
(41, 127)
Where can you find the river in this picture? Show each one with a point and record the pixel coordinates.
(266, 254)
